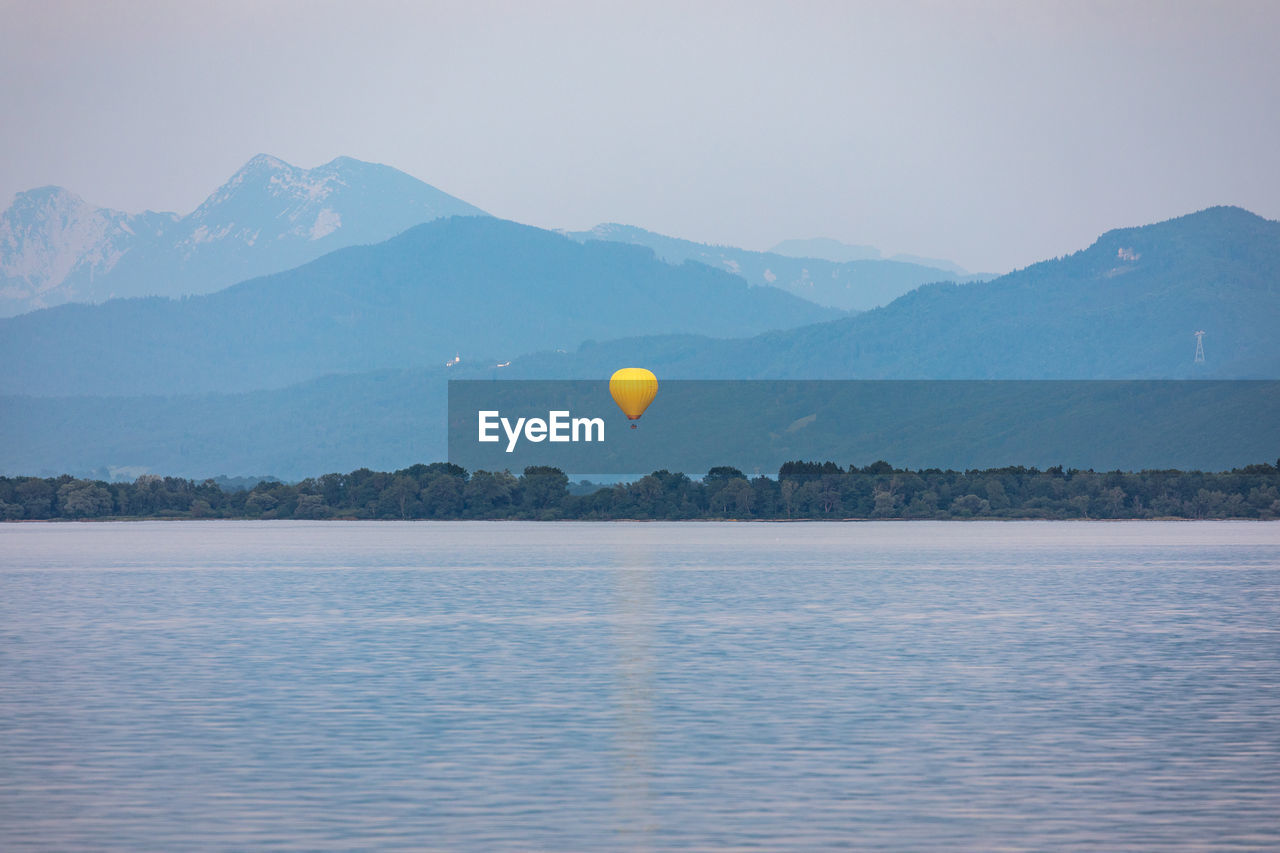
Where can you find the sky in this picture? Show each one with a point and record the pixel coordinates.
(993, 134)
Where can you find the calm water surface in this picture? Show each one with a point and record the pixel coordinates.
(510, 686)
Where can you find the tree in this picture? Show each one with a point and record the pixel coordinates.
(996, 494)
(649, 497)
(36, 497)
(886, 504)
(737, 493)
(402, 490)
(486, 492)
(442, 498)
(815, 489)
(543, 488)
(722, 474)
(311, 506)
(788, 490)
(1113, 501)
(829, 497)
(970, 505)
(806, 471)
(260, 501)
(84, 499)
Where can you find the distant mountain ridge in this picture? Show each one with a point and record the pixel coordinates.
(1124, 308)
(475, 286)
(839, 252)
(270, 216)
(853, 285)
(827, 249)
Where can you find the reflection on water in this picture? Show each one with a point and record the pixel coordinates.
(495, 686)
(634, 629)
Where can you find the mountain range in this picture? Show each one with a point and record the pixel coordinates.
(477, 287)
(840, 252)
(346, 296)
(854, 284)
(269, 217)
(1125, 307)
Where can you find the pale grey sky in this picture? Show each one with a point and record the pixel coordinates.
(995, 134)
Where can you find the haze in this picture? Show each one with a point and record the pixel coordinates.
(994, 134)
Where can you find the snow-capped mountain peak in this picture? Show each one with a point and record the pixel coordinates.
(49, 236)
(268, 217)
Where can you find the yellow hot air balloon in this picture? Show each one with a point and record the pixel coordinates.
(633, 389)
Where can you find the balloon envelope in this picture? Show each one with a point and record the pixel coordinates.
(633, 389)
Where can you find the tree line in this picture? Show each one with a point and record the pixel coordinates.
(802, 490)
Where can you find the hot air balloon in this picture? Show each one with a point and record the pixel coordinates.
(633, 389)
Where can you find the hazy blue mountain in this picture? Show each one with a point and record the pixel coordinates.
(856, 285)
(838, 252)
(53, 245)
(942, 264)
(466, 285)
(1126, 307)
(270, 216)
(827, 249)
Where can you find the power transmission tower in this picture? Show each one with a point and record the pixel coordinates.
(1199, 347)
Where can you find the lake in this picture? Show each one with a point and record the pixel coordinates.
(489, 686)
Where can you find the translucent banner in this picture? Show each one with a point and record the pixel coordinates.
(692, 426)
